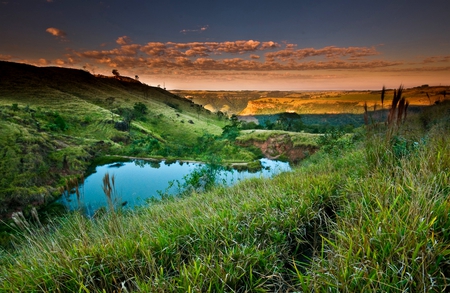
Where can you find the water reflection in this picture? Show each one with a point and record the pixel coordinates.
(138, 180)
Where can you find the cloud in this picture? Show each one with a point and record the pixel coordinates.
(230, 59)
(170, 50)
(269, 45)
(436, 59)
(329, 52)
(417, 69)
(239, 46)
(56, 32)
(154, 48)
(199, 30)
(44, 62)
(5, 57)
(123, 40)
(129, 50)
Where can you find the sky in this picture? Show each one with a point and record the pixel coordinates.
(237, 45)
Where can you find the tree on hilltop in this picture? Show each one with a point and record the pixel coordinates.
(115, 72)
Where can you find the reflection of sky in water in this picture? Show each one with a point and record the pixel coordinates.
(138, 180)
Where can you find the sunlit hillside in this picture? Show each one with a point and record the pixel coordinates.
(250, 103)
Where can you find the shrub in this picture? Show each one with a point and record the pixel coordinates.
(334, 142)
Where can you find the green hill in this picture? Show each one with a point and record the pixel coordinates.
(55, 121)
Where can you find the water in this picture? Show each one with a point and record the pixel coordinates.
(138, 180)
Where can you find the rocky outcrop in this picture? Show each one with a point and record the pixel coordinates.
(282, 147)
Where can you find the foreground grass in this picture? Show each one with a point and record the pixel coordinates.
(372, 219)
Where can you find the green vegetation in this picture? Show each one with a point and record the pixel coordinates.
(298, 138)
(371, 217)
(55, 122)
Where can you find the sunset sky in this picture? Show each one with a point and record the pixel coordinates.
(237, 45)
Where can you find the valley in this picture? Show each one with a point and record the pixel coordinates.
(364, 207)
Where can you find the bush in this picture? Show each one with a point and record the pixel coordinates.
(334, 142)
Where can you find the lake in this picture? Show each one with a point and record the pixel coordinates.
(138, 180)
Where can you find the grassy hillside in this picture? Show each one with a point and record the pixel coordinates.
(367, 215)
(55, 121)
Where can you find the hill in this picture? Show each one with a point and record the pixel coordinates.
(55, 121)
(252, 103)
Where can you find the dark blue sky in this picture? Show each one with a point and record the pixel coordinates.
(301, 44)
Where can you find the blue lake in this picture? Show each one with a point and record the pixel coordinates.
(138, 180)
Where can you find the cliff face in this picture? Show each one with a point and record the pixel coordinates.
(281, 146)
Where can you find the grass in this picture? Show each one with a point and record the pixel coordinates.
(56, 121)
(298, 138)
(372, 219)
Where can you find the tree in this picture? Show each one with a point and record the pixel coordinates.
(140, 110)
(290, 121)
(115, 72)
(136, 77)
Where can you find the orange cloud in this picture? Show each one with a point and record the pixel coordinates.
(5, 57)
(238, 46)
(417, 69)
(197, 56)
(435, 59)
(269, 45)
(154, 48)
(328, 52)
(43, 62)
(248, 60)
(123, 40)
(129, 50)
(56, 32)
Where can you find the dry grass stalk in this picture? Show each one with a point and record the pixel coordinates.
(406, 110)
(366, 114)
(401, 109)
(35, 216)
(20, 221)
(74, 183)
(393, 114)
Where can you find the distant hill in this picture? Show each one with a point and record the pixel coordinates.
(250, 103)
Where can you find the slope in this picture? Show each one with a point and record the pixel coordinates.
(55, 121)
